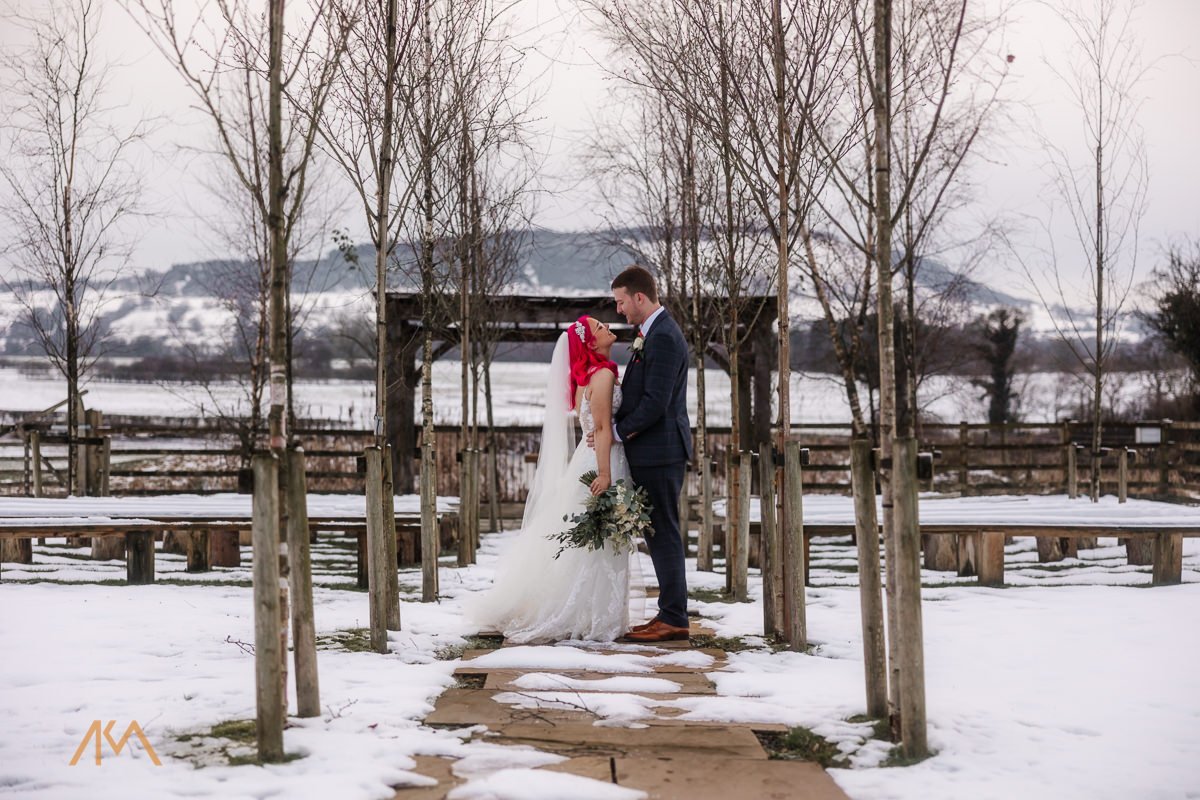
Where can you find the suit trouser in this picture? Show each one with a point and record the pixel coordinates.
(663, 484)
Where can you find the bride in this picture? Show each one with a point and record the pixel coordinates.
(582, 594)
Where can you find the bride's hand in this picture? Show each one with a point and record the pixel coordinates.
(601, 483)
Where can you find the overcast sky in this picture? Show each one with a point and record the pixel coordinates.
(563, 67)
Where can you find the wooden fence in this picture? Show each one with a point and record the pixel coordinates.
(183, 455)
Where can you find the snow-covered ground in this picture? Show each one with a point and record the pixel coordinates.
(518, 389)
(1074, 685)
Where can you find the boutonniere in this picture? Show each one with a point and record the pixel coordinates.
(638, 343)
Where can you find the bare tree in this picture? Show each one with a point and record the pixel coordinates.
(360, 131)
(71, 185)
(223, 55)
(1102, 194)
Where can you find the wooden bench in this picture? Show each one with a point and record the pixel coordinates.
(208, 542)
(980, 548)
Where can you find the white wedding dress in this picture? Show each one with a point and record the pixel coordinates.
(583, 594)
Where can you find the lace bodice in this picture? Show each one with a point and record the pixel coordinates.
(586, 420)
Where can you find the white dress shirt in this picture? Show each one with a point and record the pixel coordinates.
(645, 326)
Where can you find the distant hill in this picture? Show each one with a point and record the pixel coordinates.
(157, 310)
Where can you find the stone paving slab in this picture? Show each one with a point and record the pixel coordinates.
(690, 683)
(476, 707)
(688, 742)
(440, 769)
(598, 768)
(716, 778)
(667, 757)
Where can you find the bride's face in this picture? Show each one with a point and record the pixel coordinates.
(602, 337)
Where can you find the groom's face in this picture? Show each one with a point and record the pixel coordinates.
(628, 305)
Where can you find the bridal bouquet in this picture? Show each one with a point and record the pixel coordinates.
(619, 514)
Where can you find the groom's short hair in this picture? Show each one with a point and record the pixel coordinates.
(634, 279)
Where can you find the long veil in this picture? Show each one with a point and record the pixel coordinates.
(526, 561)
(558, 437)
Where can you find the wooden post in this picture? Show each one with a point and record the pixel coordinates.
(1072, 474)
(226, 551)
(304, 636)
(770, 558)
(269, 677)
(911, 648)
(740, 568)
(197, 551)
(477, 498)
(733, 508)
(139, 557)
(89, 485)
(389, 516)
(77, 484)
(1163, 456)
(1168, 559)
(105, 465)
(1139, 550)
(704, 540)
(989, 549)
(16, 551)
(361, 562)
(793, 548)
(464, 509)
(1123, 475)
(175, 543)
(493, 474)
(108, 548)
(964, 473)
(1050, 549)
(26, 473)
(376, 551)
(35, 446)
(430, 544)
(870, 589)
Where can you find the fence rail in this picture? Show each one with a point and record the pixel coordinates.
(163, 456)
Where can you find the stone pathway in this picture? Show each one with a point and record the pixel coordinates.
(507, 690)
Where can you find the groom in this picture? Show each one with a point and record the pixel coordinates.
(653, 424)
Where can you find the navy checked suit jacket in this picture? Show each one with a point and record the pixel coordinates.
(653, 419)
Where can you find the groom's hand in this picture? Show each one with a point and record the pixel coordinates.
(591, 439)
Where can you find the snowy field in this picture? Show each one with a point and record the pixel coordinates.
(518, 390)
(1078, 684)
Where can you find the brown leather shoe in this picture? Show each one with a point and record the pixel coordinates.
(643, 626)
(658, 631)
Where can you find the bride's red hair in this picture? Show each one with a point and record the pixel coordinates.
(585, 361)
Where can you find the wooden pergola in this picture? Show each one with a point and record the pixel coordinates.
(538, 318)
